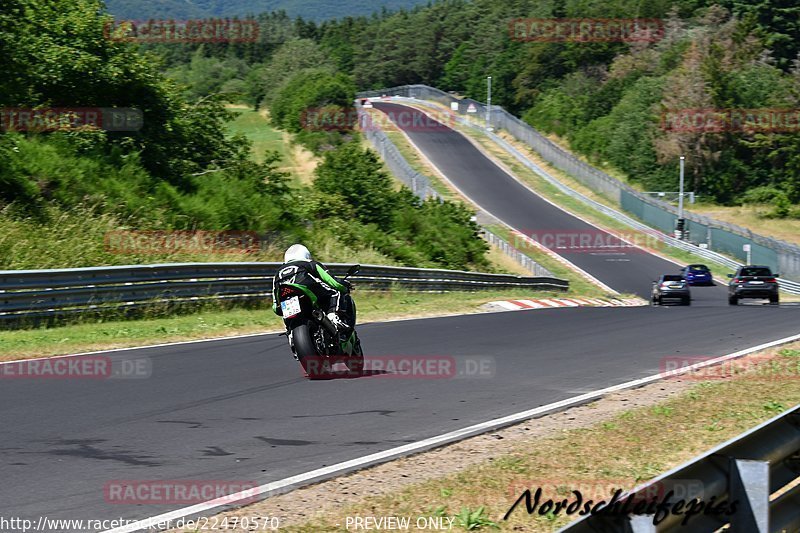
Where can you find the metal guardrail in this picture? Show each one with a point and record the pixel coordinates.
(515, 254)
(756, 469)
(402, 170)
(37, 293)
(788, 286)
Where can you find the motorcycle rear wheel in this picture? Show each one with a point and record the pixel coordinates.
(315, 365)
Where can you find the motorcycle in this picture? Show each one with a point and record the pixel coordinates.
(313, 338)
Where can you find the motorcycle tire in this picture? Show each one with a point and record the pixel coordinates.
(314, 365)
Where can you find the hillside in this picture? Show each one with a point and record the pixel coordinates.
(316, 10)
(183, 186)
(625, 106)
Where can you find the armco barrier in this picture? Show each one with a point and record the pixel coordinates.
(50, 293)
(720, 236)
(752, 469)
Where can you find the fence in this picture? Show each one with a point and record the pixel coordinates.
(51, 293)
(418, 183)
(515, 254)
(717, 235)
(756, 469)
(421, 186)
(705, 253)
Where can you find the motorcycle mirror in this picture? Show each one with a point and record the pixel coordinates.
(353, 270)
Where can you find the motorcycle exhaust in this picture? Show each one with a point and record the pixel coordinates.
(325, 321)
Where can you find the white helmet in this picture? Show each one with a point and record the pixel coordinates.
(296, 252)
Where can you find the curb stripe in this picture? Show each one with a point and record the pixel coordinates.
(549, 303)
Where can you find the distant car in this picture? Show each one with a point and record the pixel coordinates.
(753, 281)
(671, 287)
(697, 275)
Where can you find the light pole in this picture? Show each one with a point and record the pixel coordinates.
(488, 102)
(681, 223)
(680, 197)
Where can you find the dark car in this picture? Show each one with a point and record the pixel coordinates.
(697, 275)
(671, 287)
(753, 281)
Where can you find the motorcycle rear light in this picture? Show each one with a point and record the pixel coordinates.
(286, 292)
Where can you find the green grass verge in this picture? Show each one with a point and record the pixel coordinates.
(417, 163)
(258, 130)
(372, 306)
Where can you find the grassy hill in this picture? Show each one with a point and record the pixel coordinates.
(316, 10)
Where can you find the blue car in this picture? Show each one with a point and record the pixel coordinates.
(697, 275)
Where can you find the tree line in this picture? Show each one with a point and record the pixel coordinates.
(611, 101)
(182, 169)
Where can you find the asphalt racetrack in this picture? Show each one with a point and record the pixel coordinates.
(241, 409)
(625, 269)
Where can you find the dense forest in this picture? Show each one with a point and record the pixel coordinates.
(316, 10)
(607, 99)
(184, 170)
(64, 186)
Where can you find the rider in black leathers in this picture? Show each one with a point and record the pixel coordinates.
(333, 295)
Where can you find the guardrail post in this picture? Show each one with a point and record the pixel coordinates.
(749, 485)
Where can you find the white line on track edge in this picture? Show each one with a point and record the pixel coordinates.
(400, 451)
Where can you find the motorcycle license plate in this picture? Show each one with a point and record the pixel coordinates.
(290, 307)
